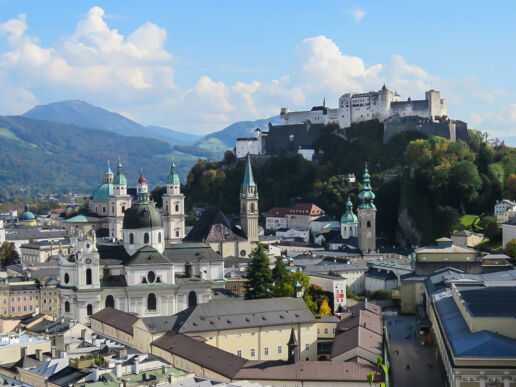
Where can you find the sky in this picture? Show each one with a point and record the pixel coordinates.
(198, 66)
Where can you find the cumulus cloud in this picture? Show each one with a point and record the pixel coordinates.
(134, 74)
(357, 14)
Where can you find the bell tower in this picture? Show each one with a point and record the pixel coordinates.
(118, 203)
(249, 204)
(173, 209)
(366, 216)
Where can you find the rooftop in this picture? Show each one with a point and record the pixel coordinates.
(116, 318)
(492, 301)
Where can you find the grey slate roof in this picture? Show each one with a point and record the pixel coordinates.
(32, 233)
(148, 255)
(238, 314)
(191, 252)
(214, 226)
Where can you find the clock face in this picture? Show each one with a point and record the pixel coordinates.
(88, 260)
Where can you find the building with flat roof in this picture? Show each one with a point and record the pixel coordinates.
(14, 347)
(474, 330)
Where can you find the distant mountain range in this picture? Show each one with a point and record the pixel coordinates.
(65, 145)
(83, 114)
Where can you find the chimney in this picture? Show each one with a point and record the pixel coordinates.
(39, 354)
(83, 334)
(122, 352)
(95, 373)
(60, 345)
(137, 365)
(53, 352)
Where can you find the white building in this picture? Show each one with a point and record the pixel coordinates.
(111, 200)
(294, 233)
(504, 210)
(138, 275)
(356, 107)
(380, 279)
(276, 218)
(2, 232)
(249, 145)
(508, 231)
(335, 284)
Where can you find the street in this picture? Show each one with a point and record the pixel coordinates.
(423, 369)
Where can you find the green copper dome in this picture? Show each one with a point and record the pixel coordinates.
(27, 215)
(103, 192)
(349, 216)
(173, 177)
(142, 215)
(119, 177)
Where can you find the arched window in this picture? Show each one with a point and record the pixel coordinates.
(67, 307)
(131, 238)
(146, 237)
(110, 301)
(89, 309)
(177, 207)
(368, 224)
(192, 299)
(166, 208)
(88, 276)
(159, 237)
(252, 207)
(151, 302)
(66, 278)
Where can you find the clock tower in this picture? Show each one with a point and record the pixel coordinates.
(249, 204)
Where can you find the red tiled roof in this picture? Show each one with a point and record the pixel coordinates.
(117, 319)
(277, 212)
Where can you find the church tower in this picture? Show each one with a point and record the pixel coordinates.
(349, 222)
(118, 203)
(173, 208)
(366, 216)
(249, 204)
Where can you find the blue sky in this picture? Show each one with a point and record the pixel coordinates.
(198, 66)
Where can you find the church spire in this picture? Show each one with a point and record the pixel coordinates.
(173, 177)
(366, 194)
(120, 179)
(248, 178)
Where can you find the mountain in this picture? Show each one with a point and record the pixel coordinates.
(48, 155)
(83, 114)
(225, 139)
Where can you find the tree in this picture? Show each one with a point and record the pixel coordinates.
(491, 228)
(259, 275)
(283, 286)
(280, 272)
(510, 248)
(510, 187)
(324, 309)
(465, 182)
(8, 254)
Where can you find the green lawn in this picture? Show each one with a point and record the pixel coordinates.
(468, 220)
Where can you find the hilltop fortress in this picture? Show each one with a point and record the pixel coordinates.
(299, 130)
(379, 105)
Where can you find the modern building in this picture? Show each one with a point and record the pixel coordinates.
(473, 327)
(334, 284)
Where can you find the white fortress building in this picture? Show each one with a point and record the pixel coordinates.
(380, 105)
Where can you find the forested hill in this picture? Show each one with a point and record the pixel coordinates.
(48, 156)
(422, 185)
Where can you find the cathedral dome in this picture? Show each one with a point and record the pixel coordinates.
(103, 192)
(142, 215)
(27, 215)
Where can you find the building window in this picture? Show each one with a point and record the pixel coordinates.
(89, 309)
(66, 278)
(368, 224)
(151, 302)
(325, 331)
(131, 238)
(159, 237)
(266, 351)
(104, 209)
(110, 301)
(166, 208)
(239, 353)
(280, 349)
(146, 237)
(307, 347)
(67, 307)
(151, 276)
(192, 299)
(177, 233)
(177, 207)
(252, 352)
(88, 276)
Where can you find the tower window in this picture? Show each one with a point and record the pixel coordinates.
(88, 276)
(177, 207)
(159, 237)
(368, 224)
(252, 207)
(66, 278)
(146, 237)
(166, 208)
(151, 302)
(89, 309)
(131, 238)
(177, 233)
(110, 301)
(67, 307)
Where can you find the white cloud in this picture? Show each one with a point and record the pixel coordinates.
(357, 14)
(134, 74)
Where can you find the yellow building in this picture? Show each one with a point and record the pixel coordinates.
(27, 218)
